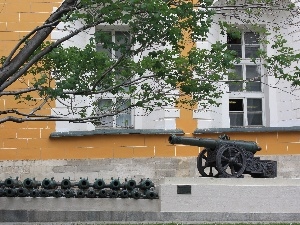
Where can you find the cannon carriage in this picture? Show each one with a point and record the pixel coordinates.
(226, 158)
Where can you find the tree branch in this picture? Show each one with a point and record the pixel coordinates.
(7, 71)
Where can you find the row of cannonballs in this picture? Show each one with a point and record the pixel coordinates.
(145, 189)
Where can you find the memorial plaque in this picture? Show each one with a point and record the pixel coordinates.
(184, 189)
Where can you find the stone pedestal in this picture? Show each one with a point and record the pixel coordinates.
(181, 200)
(246, 195)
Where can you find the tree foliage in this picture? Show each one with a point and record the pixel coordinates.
(147, 66)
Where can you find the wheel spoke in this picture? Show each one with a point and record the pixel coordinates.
(226, 166)
(232, 169)
(226, 159)
(210, 172)
(237, 155)
(238, 164)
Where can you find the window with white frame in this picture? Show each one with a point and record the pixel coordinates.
(117, 111)
(245, 112)
(120, 120)
(245, 86)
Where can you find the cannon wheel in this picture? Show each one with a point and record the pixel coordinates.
(231, 161)
(202, 164)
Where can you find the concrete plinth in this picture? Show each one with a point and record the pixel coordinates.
(182, 200)
(231, 195)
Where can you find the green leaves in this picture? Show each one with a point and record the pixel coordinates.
(148, 65)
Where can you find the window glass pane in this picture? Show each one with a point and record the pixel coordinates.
(122, 39)
(254, 119)
(124, 117)
(251, 41)
(233, 39)
(123, 120)
(253, 76)
(238, 85)
(236, 112)
(99, 46)
(105, 107)
(236, 105)
(236, 119)
(237, 49)
(254, 105)
(234, 43)
(251, 51)
(251, 38)
(254, 108)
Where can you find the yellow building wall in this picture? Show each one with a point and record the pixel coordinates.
(30, 140)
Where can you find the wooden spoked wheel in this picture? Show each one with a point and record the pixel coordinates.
(206, 168)
(230, 161)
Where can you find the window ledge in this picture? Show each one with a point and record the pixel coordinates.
(247, 130)
(114, 132)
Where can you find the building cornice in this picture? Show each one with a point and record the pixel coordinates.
(115, 132)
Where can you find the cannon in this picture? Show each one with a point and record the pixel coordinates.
(49, 184)
(66, 184)
(31, 183)
(11, 183)
(115, 184)
(99, 184)
(228, 158)
(83, 183)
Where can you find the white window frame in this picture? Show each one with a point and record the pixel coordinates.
(248, 62)
(114, 118)
(244, 94)
(245, 111)
(110, 96)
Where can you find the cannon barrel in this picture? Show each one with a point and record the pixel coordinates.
(66, 184)
(83, 183)
(145, 184)
(99, 184)
(250, 146)
(115, 184)
(31, 183)
(129, 184)
(11, 183)
(49, 184)
(69, 193)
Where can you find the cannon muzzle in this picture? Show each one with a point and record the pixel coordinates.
(124, 194)
(136, 194)
(102, 193)
(250, 146)
(69, 193)
(99, 184)
(151, 194)
(146, 184)
(115, 184)
(49, 184)
(83, 183)
(80, 193)
(31, 183)
(129, 184)
(57, 193)
(66, 184)
(113, 194)
(45, 193)
(91, 193)
(22, 192)
(34, 193)
(10, 192)
(11, 183)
